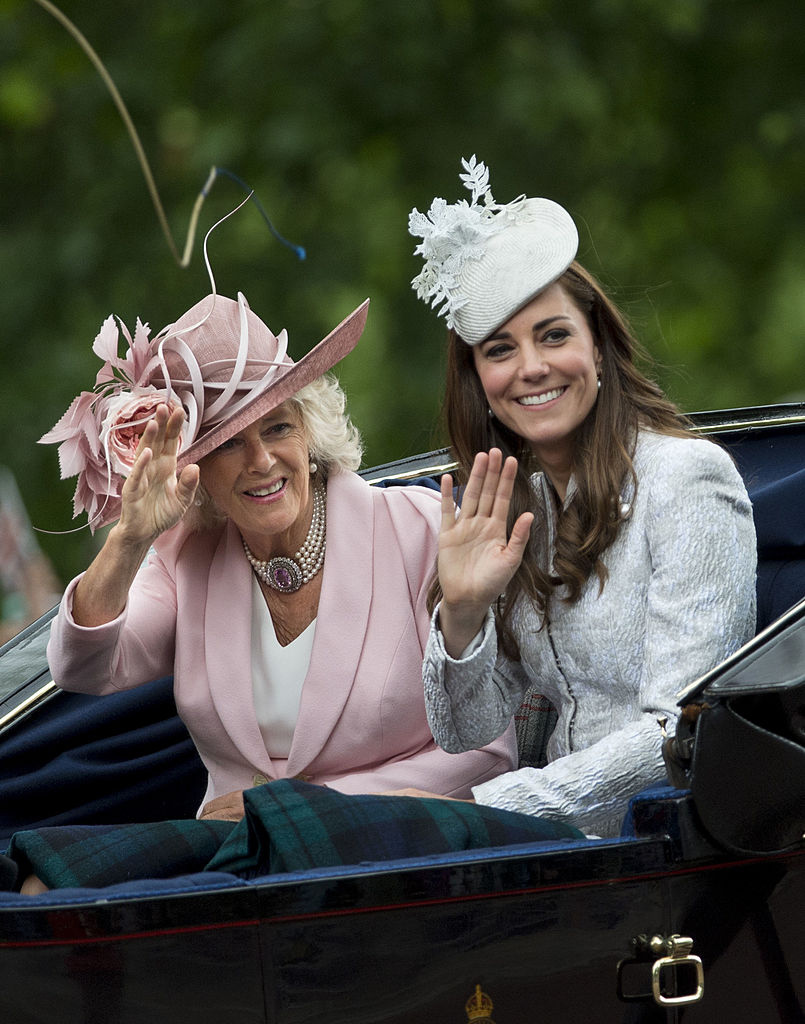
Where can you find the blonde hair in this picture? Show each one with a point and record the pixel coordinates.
(335, 442)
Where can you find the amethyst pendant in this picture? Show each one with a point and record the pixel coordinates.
(284, 574)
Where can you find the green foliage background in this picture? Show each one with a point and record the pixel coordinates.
(674, 132)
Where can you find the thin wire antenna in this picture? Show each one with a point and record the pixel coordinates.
(298, 249)
(184, 259)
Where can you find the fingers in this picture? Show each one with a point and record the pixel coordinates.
(448, 505)
(228, 807)
(153, 428)
(505, 489)
(186, 484)
(173, 430)
(491, 483)
(154, 467)
(138, 471)
(520, 534)
(472, 492)
(163, 431)
(489, 489)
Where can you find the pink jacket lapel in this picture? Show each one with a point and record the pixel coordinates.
(346, 596)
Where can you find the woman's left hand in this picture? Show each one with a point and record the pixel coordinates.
(477, 556)
(228, 807)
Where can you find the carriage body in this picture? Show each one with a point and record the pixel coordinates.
(661, 924)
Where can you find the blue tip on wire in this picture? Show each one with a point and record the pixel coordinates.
(300, 252)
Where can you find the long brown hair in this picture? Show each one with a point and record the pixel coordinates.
(602, 461)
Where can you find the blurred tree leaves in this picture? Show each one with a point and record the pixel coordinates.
(673, 132)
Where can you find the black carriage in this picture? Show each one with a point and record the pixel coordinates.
(696, 913)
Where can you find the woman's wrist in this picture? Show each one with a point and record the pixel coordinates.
(459, 625)
(126, 548)
(102, 592)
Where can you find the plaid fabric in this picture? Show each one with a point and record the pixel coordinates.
(292, 825)
(288, 826)
(534, 721)
(69, 856)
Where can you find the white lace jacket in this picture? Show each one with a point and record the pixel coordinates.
(680, 597)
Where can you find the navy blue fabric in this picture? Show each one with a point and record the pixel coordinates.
(780, 515)
(418, 481)
(765, 456)
(90, 760)
(137, 888)
(779, 509)
(780, 584)
(771, 464)
(650, 795)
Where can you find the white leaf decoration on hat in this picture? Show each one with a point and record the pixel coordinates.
(454, 235)
(476, 179)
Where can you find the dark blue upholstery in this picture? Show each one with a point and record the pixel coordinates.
(773, 467)
(417, 481)
(122, 758)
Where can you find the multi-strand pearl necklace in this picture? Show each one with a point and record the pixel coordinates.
(288, 574)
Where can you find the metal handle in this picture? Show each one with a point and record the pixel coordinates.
(678, 949)
(666, 955)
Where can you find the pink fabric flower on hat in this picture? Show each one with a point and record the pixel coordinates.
(125, 417)
(99, 434)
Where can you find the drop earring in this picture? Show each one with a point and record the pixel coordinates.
(312, 466)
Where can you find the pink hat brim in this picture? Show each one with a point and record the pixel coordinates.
(338, 343)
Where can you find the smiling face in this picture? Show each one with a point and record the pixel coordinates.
(260, 479)
(539, 373)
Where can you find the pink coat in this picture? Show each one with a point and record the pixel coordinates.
(362, 725)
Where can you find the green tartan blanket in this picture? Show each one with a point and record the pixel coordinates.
(288, 826)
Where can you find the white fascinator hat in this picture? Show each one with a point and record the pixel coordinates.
(484, 261)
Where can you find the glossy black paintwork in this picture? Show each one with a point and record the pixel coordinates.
(535, 930)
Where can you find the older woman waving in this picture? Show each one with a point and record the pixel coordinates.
(247, 559)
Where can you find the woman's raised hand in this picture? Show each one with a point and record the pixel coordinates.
(154, 497)
(153, 500)
(477, 559)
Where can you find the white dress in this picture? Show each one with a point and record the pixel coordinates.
(278, 674)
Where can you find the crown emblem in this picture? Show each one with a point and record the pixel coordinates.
(479, 1006)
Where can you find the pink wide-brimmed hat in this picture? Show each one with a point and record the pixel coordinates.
(219, 361)
(229, 369)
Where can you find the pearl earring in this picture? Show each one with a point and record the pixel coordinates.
(312, 466)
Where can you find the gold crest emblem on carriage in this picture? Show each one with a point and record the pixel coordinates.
(479, 1007)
